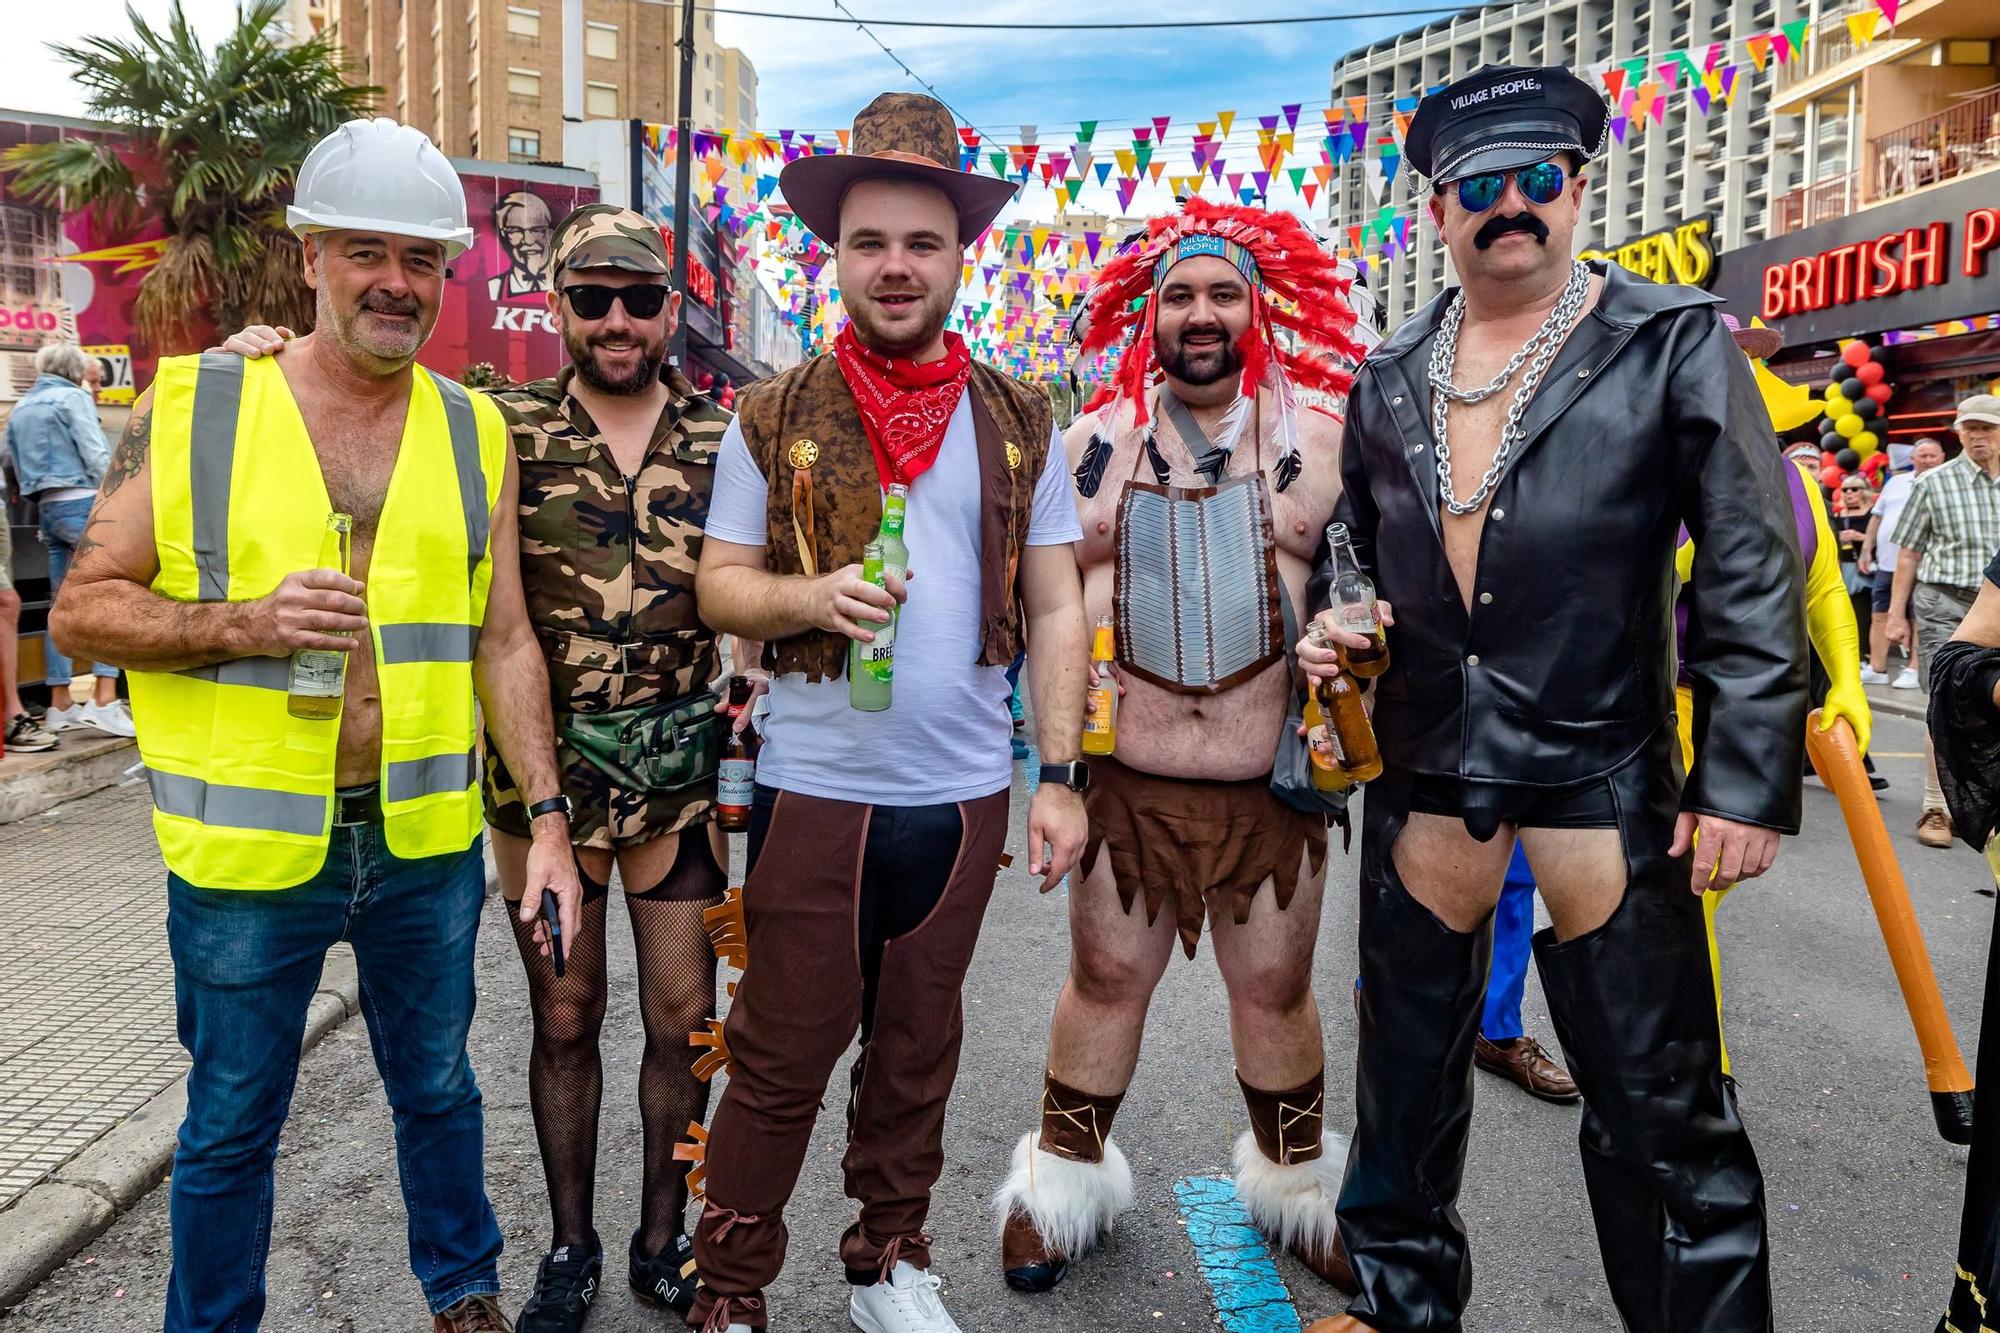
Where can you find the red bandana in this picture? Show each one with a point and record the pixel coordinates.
(905, 406)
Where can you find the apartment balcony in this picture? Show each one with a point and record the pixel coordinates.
(1809, 205)
(1961, 141)
(1831, 57)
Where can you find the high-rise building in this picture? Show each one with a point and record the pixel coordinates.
(484, 78)
(1727, 167)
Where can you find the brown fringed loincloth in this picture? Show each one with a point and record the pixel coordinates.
(1197, 839)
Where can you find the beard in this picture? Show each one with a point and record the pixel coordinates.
(384, 342)
(1204, 366)
(640, 377)
(906, 338)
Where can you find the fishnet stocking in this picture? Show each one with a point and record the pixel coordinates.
(565, 1074)
(676, 996)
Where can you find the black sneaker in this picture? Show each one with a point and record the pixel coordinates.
(667, 1278)
(26, 735)
(565, 1285)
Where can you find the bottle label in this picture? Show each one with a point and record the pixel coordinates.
(878, 658)
(1097, 722)
(318, 674)
(1358, 617)
(736, 782)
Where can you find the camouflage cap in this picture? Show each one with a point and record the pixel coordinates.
(607, 236)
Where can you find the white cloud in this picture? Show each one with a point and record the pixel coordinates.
(38, 81)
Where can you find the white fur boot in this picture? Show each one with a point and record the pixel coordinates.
(1293, 1204)
(1053, 1210)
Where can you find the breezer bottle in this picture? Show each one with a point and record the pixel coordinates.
(736, 779)
(1100, 722)
(1347, 726)
(1324, 749)
(871, 667)
(1354, 606)
(318, 676)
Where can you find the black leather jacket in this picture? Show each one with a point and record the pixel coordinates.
(1648, 419)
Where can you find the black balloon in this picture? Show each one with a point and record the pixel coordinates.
(1879, 355)
(1847, 460)
(1832, 442)
(1853, 389)
(1867, 407)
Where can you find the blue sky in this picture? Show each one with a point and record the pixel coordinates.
(816, 75)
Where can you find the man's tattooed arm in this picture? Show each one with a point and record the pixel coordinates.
(130, 453)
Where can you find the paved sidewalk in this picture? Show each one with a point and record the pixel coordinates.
(87, 993)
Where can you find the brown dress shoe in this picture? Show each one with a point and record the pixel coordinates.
(1525, 1064)
(474, 1314)
(1934, 829)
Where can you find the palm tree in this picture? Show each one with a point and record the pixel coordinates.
(210, 142)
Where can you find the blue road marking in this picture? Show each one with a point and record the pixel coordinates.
(1250, 1296)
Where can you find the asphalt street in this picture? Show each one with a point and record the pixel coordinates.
(1863, 1194)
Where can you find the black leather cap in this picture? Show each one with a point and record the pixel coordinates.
(1502, 118)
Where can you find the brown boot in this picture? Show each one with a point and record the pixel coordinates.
(474, 1314)
(1288, 1173)
(1524, 1063)
(1934, 829)
(1067, 1185)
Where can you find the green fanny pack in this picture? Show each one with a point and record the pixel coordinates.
(658, 747)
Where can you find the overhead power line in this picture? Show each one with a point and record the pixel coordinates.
(990, 26)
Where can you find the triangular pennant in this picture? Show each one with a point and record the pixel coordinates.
(1143, 155)
(1309, 190)
(1160, 128)
(1357, 106)
(1154, 171)
(1225, 119)
(1086, 130)
(1862, 27)
(1127, 187)
(1760, 51)
(1291, 113)
(1103, 170)
(1297, 176)
(1889, 9)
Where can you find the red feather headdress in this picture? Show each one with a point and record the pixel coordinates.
(1302, 289)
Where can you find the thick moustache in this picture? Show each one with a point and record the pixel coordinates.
(1526, 223)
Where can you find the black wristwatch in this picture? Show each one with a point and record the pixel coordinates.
(1075, 774)
(555, 805)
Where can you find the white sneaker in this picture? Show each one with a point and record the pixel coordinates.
(1906, 679)
(907, 1303)
(64, 719)
(1870, 676)
(113, 719)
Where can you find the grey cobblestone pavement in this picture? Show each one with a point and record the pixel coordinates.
(1863, 1195)
(86, 989)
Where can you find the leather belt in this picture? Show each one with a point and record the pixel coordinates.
(354, 806)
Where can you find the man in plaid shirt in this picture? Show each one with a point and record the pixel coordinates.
(1947, 533)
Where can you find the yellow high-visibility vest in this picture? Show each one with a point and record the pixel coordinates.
(242, 790)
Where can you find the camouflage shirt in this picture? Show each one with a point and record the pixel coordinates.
(608, 561)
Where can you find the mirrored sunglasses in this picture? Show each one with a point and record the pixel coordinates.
(1540, 184)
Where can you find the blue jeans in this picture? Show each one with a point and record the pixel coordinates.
(246, 965)
(62, 528)
(1513, 927)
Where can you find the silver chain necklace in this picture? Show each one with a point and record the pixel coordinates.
(1541, 348)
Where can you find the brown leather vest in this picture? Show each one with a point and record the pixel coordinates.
(826, 501)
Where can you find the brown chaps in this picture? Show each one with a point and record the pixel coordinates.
(859, 919)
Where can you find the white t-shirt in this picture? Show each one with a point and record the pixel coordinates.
(1889, 504)
(945, 736)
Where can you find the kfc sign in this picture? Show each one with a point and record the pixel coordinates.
(1924, 260)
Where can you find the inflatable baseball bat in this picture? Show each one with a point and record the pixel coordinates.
(1838, 762)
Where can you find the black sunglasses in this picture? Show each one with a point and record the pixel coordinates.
(1540, 184)
(593, 300)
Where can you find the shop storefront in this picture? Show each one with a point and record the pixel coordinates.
(1920, 276)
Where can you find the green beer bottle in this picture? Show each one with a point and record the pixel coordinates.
(871, 667)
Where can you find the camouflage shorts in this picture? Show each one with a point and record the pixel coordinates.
(606, 816)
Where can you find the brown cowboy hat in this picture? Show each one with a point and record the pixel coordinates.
(1758, 342)
(904, 136)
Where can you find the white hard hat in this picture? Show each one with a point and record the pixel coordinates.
(378, 175)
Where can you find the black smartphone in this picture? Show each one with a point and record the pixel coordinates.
(554, 917)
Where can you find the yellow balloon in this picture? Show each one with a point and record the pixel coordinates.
(1834, 395)
(1849, 426)
(1865, 443)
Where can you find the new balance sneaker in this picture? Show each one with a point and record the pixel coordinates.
(26, 735)
(565, 1285)
(1870, 676)
(907, 1303)
(666, 1278)
(1906, 679)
